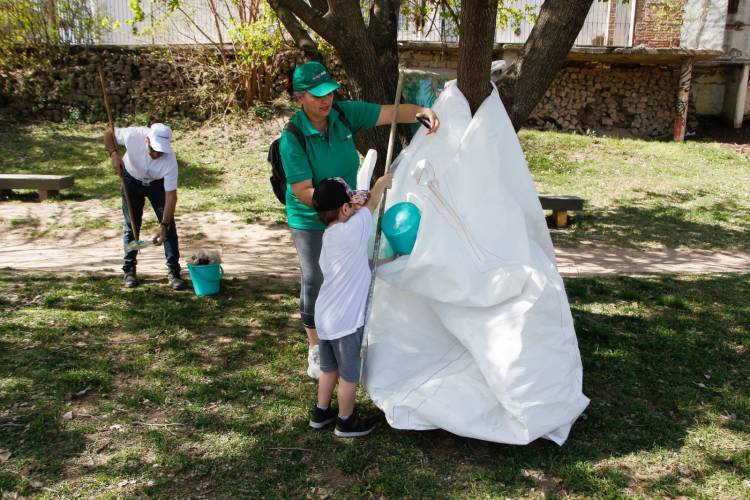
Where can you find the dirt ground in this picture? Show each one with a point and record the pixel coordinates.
(715, 130)
(53, 239)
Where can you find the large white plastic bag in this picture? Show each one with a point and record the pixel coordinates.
(472, 332)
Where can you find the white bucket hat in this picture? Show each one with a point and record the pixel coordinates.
(160, 138)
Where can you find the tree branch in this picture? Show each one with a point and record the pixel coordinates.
(523, 85)
(383, 26)
(301, 37)
(321, 24)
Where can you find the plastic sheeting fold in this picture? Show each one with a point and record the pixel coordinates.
(472, 332)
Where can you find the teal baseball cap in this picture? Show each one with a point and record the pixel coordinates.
(314, 78)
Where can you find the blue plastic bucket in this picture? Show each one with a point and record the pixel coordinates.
(400, 225)
(206, 278)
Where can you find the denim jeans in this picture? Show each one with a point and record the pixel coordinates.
(138, 193)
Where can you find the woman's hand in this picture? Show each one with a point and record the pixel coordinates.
(429, 115)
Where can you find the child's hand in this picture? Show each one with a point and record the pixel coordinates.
(386, 181)
(380, 186)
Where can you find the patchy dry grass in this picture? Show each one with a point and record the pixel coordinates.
(638, 193)
(146, 392)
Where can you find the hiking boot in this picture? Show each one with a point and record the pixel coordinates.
(354, 426)
(129, 280)
(174, 280)
(313, 361)
(322, 418)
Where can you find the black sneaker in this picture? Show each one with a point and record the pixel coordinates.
(322, 418)
(353, 427)
(174, 280)
(129, 280)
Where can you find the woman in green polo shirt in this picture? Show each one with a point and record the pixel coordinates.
(329, 151)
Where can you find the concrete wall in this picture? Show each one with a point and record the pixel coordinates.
(703, 24)
(737, 36)
(709, 89)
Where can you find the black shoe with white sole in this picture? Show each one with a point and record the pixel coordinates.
(322, 418)
(354, 426)
(174, 280)
(129, 280)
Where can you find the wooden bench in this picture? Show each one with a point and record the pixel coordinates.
(560, 206)
(44, 184)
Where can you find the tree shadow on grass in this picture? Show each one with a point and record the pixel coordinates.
(64, 150)
(221, 381)
(659, 219)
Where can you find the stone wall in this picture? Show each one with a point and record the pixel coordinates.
(630, 100)
(157, 83)
(624, 100)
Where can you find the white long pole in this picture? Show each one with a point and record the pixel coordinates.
(378, 230)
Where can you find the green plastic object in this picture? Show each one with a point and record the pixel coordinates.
(400, 226)
(206, 278)
(137, 245)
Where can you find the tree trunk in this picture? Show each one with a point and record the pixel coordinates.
(475, 50)
(524, 83)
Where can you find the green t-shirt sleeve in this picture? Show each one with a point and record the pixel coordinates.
(293, 158)
(360, 114)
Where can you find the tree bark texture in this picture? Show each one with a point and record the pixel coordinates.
(478, 20)
(524, 83)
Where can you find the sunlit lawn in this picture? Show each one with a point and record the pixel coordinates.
(111, 392)
(638, 193)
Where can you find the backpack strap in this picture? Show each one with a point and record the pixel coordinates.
(296, 132)
(342, 116)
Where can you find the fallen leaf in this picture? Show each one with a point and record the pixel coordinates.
(68, 416)
(36, 484)
(4, 456)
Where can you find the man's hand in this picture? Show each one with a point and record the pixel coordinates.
(160, 236)
(117, 164)
(429, 115)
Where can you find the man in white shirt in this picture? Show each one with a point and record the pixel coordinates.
(149, 170)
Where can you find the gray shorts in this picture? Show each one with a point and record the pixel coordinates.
(342, 354)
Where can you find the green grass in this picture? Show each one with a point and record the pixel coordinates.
(638, 193)
(666, 364)
(644, 193)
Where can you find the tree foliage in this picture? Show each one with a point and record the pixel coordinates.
(35, 26)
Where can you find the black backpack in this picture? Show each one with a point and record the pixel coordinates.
(278, 175)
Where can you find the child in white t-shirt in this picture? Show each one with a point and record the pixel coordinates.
(340, 307)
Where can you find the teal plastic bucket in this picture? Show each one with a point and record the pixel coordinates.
(206, 278)
(400, 225)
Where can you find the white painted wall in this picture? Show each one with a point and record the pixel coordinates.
(703, 24)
